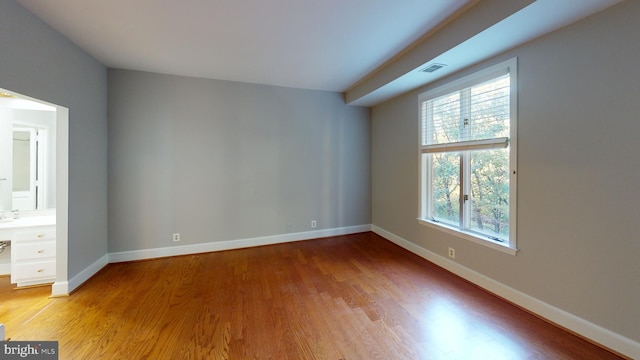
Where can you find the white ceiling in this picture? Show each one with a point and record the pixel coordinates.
(311, 44)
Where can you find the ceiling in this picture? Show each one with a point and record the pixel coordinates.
(333, 45)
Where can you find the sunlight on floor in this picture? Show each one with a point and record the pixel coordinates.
(455, 332)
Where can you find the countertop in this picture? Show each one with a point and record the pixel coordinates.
(27, 221)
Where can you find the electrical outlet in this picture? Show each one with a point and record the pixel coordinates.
(176, 237)
(452, 253)
(314, 223)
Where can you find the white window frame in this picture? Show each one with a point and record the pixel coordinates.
(510, 67)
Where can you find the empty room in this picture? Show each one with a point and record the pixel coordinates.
(442, 179)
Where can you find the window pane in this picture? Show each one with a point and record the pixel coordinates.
(490, 192)
(446, 187)
(443, 124)
(489, 113)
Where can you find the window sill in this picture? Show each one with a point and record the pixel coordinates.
(469, 236)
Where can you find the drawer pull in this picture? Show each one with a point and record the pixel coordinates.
(40, 270)
(40, 251)
(40, 235)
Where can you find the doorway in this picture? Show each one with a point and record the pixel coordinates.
(51, 192)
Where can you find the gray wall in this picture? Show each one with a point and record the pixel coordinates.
(579, 170)
(218, 160)
(37, 61)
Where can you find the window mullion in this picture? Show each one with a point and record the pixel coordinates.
(465, 114)
(427, 161)
(462, 192)
(465, 183)
(465, 180)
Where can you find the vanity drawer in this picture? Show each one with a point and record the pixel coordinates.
(34, 250)
(34, 270)
(38, 233)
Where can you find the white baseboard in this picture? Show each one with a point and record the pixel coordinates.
(595, 333)
(232, 244)
(63, 288)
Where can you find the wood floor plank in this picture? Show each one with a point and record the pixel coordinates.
(347, 297)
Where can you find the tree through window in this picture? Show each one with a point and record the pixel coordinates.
(468, 155)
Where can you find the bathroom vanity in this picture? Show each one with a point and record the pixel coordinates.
(33, 249)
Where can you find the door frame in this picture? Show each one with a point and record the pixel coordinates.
(61, 286)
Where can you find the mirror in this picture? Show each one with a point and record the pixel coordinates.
(27, 154)
(28, 174)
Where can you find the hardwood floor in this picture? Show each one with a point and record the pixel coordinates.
(349, 297)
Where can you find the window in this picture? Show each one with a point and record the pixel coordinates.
(468, 157)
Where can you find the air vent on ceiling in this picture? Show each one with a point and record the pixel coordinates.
(433, 67)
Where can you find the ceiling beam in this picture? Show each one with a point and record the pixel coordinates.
(476, 19)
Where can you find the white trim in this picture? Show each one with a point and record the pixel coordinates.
(60, 288)
(62, 202)
(232, 244)
(63, 288)
(595, 333)
(496, 143)
(61, 188)
(513, 156)
(478, 239)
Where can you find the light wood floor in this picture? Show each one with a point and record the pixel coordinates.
(347, 297)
